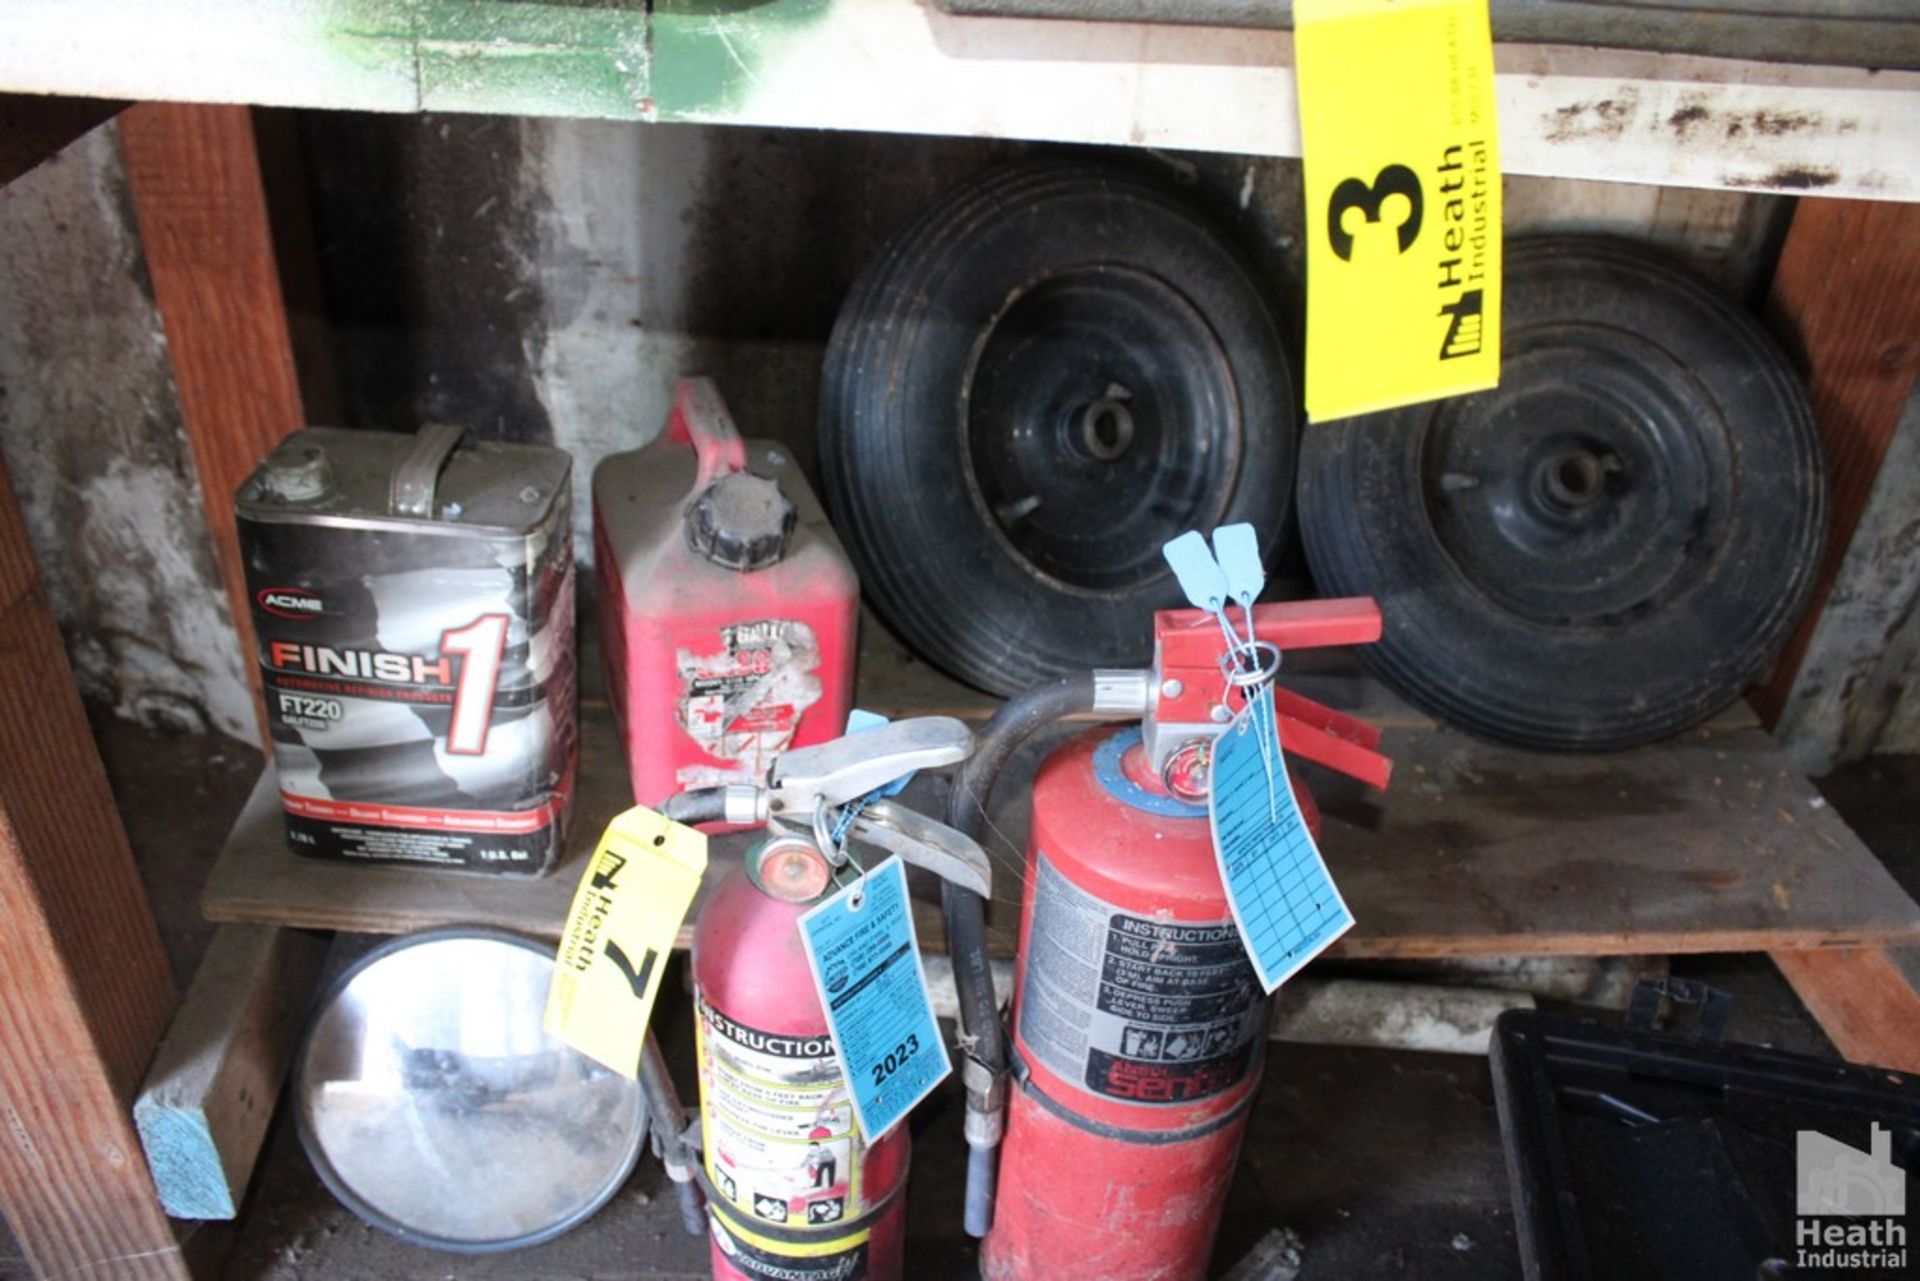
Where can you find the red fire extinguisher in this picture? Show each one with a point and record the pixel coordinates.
(1139, 1027)
(794, 1188)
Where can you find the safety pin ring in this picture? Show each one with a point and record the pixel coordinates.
(1250, 664)
(823, 816)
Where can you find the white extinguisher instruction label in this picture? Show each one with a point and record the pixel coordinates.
(781, 1144)
(1133, 1007)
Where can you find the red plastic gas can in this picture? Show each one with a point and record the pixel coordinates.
(1140, 1026)
(727, 607)
(795, 1188)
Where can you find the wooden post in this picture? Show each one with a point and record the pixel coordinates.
(1846, 299)
(203, 1114)
(1866, 999)
(202, 208)
(84, 985)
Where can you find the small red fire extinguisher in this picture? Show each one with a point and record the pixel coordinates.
(794, 1188)
(1139, 1026)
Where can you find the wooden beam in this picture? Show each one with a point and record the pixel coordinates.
(1867, 1001)
(203, 1113)
(202, 208)
(84, 984)
(1846, 300)
(32, 127)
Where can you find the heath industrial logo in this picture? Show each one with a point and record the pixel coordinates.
(1852, 1205)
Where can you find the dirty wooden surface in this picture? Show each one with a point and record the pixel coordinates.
(1710, 843)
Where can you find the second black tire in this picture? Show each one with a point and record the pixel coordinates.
(1048, 375)
(1610, 546)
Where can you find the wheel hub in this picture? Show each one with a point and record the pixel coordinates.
(1100, 420)
(1584, 491)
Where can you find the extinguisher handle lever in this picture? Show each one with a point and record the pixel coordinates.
(847, 768)
(925, 842)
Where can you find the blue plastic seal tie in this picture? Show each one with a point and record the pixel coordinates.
(1199, 574)
(1238, 552)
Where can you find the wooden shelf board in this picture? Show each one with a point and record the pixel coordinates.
(1711, 843)
(904, 66)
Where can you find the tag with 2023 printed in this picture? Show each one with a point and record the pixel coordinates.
(1401, 165)
(865, 958)
(633, 895)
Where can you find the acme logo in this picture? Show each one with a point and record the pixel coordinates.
(289, 602)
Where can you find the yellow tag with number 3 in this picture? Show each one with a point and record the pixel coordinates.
(633, 896)
(1401, 167)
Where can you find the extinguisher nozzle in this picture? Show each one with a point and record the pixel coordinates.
(693, 1213)
(980, 1177)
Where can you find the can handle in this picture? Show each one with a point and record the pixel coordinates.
(417, 474)
(700, 419)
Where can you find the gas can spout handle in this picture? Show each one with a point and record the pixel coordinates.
(924, 842)
(847, 768)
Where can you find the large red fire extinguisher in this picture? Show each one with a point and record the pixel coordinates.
(794, 1189)
(1139, 1026)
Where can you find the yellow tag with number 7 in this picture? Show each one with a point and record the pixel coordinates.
(1400, 157)
(634, 893)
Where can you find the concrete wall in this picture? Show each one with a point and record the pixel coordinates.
(90, 429)
(1858, 688)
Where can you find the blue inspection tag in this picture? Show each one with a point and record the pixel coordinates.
(1283, 898)
(1237, 549)
(1198, 572)
(866, 968)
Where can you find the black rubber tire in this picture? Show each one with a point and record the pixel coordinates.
(1609, 547)
(960, 372)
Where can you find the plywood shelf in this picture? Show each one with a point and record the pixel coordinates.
(1713, 842)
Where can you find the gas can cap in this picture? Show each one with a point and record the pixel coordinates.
(297, 473)
(741, 522)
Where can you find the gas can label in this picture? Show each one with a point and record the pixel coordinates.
(743, 703)
(1135, 1008)
(781, 1144)
(845, 1260)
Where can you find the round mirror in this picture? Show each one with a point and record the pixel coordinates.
(434, 1105)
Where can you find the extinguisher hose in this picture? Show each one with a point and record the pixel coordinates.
(1121, 694)
(701, 805)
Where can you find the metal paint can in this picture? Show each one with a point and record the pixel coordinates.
(413, 609)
